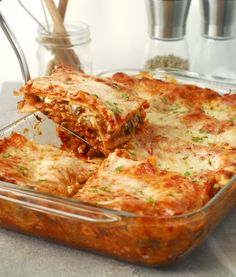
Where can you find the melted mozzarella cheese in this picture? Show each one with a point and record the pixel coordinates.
(43, 167)
(122, 180)
(114, 97)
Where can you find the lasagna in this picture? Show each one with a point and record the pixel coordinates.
(103, 112)
(170, 168)
(173, 163)
(44, 168)
(191, 130)
(142, 187)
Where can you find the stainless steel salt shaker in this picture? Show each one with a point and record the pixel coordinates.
(215, 54)
(218, 18)
(167, 46)
(167, 18)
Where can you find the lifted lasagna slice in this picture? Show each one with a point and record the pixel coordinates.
(103, 112)
(142, 187)
(44, 168)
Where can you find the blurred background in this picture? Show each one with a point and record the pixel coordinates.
(118, 31)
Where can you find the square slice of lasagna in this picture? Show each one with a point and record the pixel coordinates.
(102, 111)
(141, 187)
(44, 168)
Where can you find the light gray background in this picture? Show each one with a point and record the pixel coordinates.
(118, 31)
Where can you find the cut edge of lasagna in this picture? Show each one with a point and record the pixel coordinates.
(102, 111)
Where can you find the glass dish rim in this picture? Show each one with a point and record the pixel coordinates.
(75, 203)
(194, 76)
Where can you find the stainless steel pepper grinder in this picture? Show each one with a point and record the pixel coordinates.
(167, 46)
(218, 18)
(215, 54)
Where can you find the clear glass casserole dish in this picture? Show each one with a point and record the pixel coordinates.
(148, 240)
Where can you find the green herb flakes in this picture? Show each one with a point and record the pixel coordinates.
(210, 162)
(164, 100)
(152, 201)
(175, 107)
(105, 189)
(125, 96)
(113, 107)
(116, 110)
(119, 168)
(42, 180)
(187, 173)
(22, 169)
(198, 139)
(116, 86)
(233, 118)
(140, 192)
(5, 155)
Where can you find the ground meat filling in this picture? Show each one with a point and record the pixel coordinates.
(72, 117)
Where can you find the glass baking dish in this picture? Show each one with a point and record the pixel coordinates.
(147, 240)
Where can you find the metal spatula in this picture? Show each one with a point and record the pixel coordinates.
(23, 63)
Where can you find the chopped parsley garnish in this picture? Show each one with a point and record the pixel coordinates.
(117, 86)
(164, 100)
(140, 192)
(202, 131)
(187, 173)
(175, 107)
(95, 190)
(152, 201)
(113, 107)
(198, 139)
(210, 162)
(95, 95)
(106, 189)
(115, 110)
(22, 169)
(125, 96)
(42, 180)
(5, 155)
(233, 118)
(119, 168)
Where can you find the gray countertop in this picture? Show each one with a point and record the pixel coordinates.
(21, 255)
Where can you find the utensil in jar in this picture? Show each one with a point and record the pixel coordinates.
(23, 63)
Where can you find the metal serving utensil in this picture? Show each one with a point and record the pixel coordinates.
(23, 63)
(16, 47)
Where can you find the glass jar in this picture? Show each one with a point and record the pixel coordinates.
(171, 53)
(215, 52)
(167, 46)
(215, 57)
(70, 48)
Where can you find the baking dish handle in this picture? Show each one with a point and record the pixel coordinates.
(55, 205)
